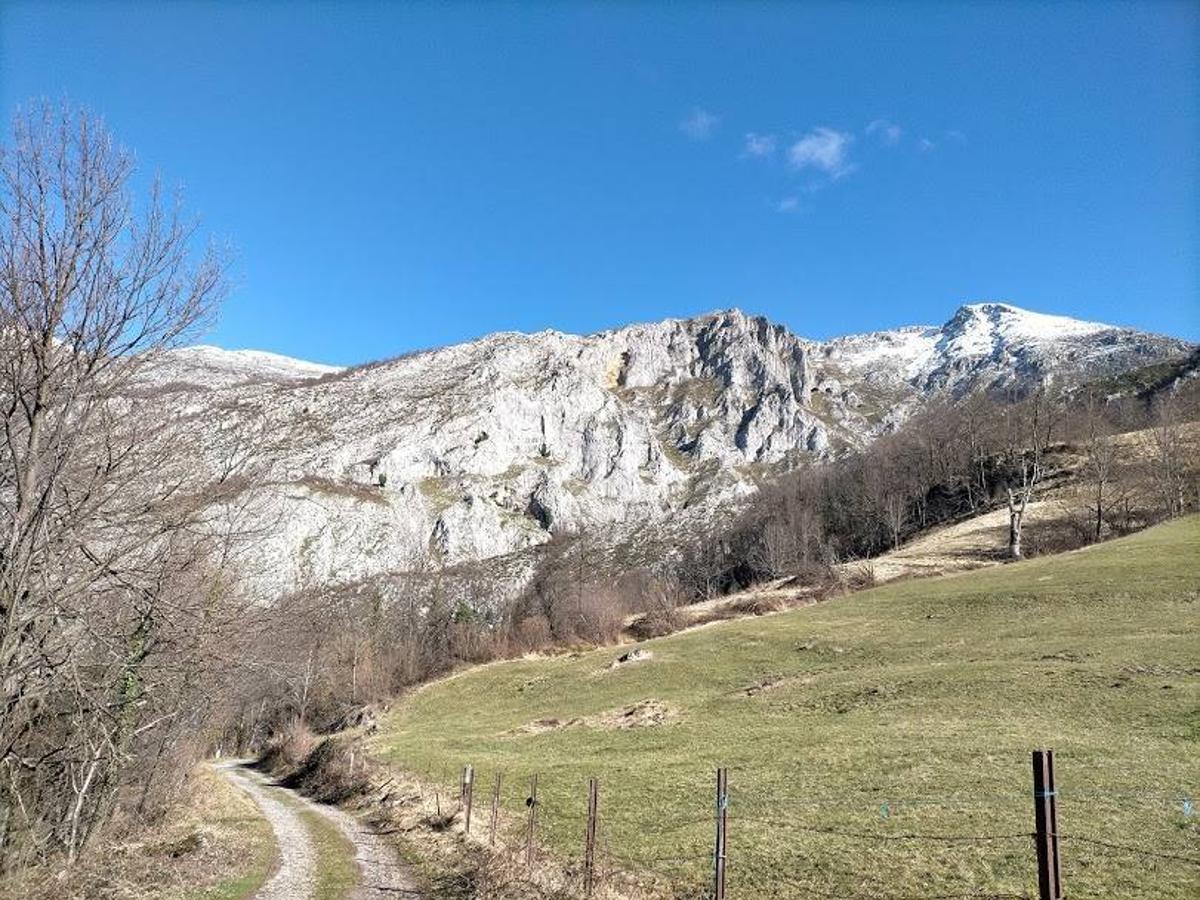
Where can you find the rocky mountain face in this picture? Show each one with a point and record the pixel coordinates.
(484, 450)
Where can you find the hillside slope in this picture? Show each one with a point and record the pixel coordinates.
(487, 448)
(878, 745)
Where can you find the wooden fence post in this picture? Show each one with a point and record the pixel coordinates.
(589, 839)
(468, 797)
(531, 828)
(720, 849)
(495, 810)
(1045, 817)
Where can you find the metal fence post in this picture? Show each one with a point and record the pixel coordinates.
(589, 840)
(1045, 817)
(468, 796)
(720, 849)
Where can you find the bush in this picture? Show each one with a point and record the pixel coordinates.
(533, 633)
(656, 623)
(287, 748)
(332, 773)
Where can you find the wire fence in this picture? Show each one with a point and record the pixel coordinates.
(553, 839)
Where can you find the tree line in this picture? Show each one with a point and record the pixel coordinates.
(956, 459)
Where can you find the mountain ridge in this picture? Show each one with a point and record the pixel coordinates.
(992, 307)
(483, 449)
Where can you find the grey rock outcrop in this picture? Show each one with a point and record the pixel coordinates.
(487, 448)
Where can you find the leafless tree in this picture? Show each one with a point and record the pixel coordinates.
(1101, 459)
(110, 541)
(1171, 455)
(1029, 428)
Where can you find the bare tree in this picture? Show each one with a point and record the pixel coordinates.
(108, 537)
(1100, 464)
(1170, 455)
(1029, 428)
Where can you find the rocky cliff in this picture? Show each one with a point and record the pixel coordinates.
(484, 449)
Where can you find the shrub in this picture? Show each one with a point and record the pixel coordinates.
(287, 748)
(657, 622)
(533, 633)
(332, 773)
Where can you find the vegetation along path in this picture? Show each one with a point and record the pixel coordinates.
(324, 852)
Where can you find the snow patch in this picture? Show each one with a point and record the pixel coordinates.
(214, 367)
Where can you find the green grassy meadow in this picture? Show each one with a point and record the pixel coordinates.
(887, 755)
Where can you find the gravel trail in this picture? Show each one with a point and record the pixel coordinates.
(296, 877)
(381, 873)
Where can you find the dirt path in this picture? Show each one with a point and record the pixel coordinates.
(381, 873)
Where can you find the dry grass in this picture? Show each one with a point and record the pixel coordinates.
(427, 823)
(218, 848)
(334, 772)
(352, 490)
(642, 714)
(287, 749)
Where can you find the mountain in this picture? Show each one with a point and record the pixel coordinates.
(211, 367)
(485, 449)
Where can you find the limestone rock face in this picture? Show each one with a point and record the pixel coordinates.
(488, 448)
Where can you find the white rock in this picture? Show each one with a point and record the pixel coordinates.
(489, 447)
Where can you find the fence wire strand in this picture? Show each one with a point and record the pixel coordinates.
(683, 858)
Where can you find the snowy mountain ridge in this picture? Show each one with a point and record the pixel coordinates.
(206, 366)
(485, 449)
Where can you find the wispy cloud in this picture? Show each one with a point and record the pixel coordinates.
(700, 125)
(889, 132)
(823, 149)
(926, 145)
(760, 145)
(788, 205)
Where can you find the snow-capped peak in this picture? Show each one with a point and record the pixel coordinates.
(1013, 322)
(214, 367)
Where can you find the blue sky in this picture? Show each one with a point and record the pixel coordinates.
(396, 176)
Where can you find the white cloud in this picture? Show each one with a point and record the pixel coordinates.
(823, 149)
(889, 132)
(760, 145)
(926, 145)
(700, 125)
(788, 205)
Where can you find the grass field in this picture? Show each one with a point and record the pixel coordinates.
(878, 745)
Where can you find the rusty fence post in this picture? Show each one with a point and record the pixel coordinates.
(531, 828)
(589, 839)
(720, 850)
(468, 796)
(1045, 818)
(495, 811)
